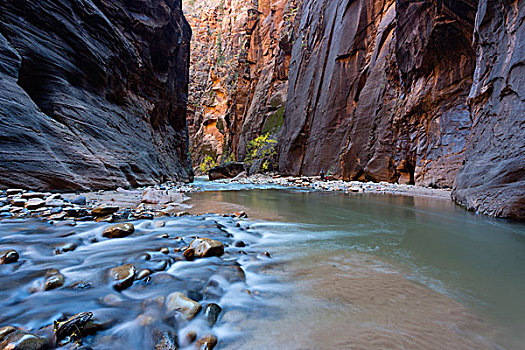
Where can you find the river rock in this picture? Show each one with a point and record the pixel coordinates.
(104, 210)
(54, 279)
(143, 274)
(13, 191)
(20, 340)
(122, 277)
(64, 248)
(207, 343)
(189, 338)
(119, 230)
(18, 202)
(165, 340)
(189, 254)
(211, 313)
(226, 171)
(5, 331)
(80, 200)
(206, 247)
(154, 196)
(8, 256)
(180, 303)
(29, 195)
(232, 273)
(34, 203)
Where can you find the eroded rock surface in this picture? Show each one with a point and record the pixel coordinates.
(93, 93)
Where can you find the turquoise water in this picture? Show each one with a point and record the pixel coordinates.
(474, 260)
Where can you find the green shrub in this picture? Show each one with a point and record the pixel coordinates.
(262, 148)
(207, 164)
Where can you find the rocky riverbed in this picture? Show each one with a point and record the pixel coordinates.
(78, 270)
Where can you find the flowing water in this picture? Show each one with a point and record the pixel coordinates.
(382, 271)
(357, 271)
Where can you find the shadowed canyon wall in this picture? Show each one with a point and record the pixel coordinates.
(93, 93)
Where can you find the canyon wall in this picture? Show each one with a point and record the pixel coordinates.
(418, 92)
(93, 93)
(239, 72)
(492, 180)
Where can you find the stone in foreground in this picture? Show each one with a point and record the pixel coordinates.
(8, 256)
(185, 306)
(119, 230)
(206, 247)
(20, 340)
(122, 277)
(207, 343)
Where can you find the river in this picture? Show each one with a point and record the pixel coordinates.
(347, 271)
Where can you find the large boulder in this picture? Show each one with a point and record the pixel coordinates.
(226, 171)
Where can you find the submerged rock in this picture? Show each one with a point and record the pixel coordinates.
(165, 340)
(178, 302)
(54, 279)
(211, 313)
(119, 230)
(19, 340)
(8, 256)
(207, 343)
(206, 247)
(122, 277)
(5, 331)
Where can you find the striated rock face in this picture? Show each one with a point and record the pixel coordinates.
(492, 180)
(239, 72)
(378, 91)
(93, 93)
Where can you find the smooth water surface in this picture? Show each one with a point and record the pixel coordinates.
(382, 271)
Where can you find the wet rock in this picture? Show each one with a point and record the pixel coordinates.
(206, 247)
(8, 256)
(107, 218)
(68, 330)
(146, 320)
(76, 212)
(178, 302)
(239, 244)
(189, 254)
(232, 273)
(143, 274)
(122, 277)
(211, 313)
(189, 338)
(104, 210)
(54, 203)
(112, 300)
(164, 250)
(5, 331)
(157, 302)
(13, 191)
(165, 340)
(80, 200)
(30, 195)
(159, 224)
(64, 248)
(80, 285)
(241, 214)
(18, 202)
(20, 340)
(226, 171)
(207, 343)
(54, 279)
(265, 254)
(119, 230)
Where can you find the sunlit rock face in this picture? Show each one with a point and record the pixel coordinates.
(239, 71)
(93, 93)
